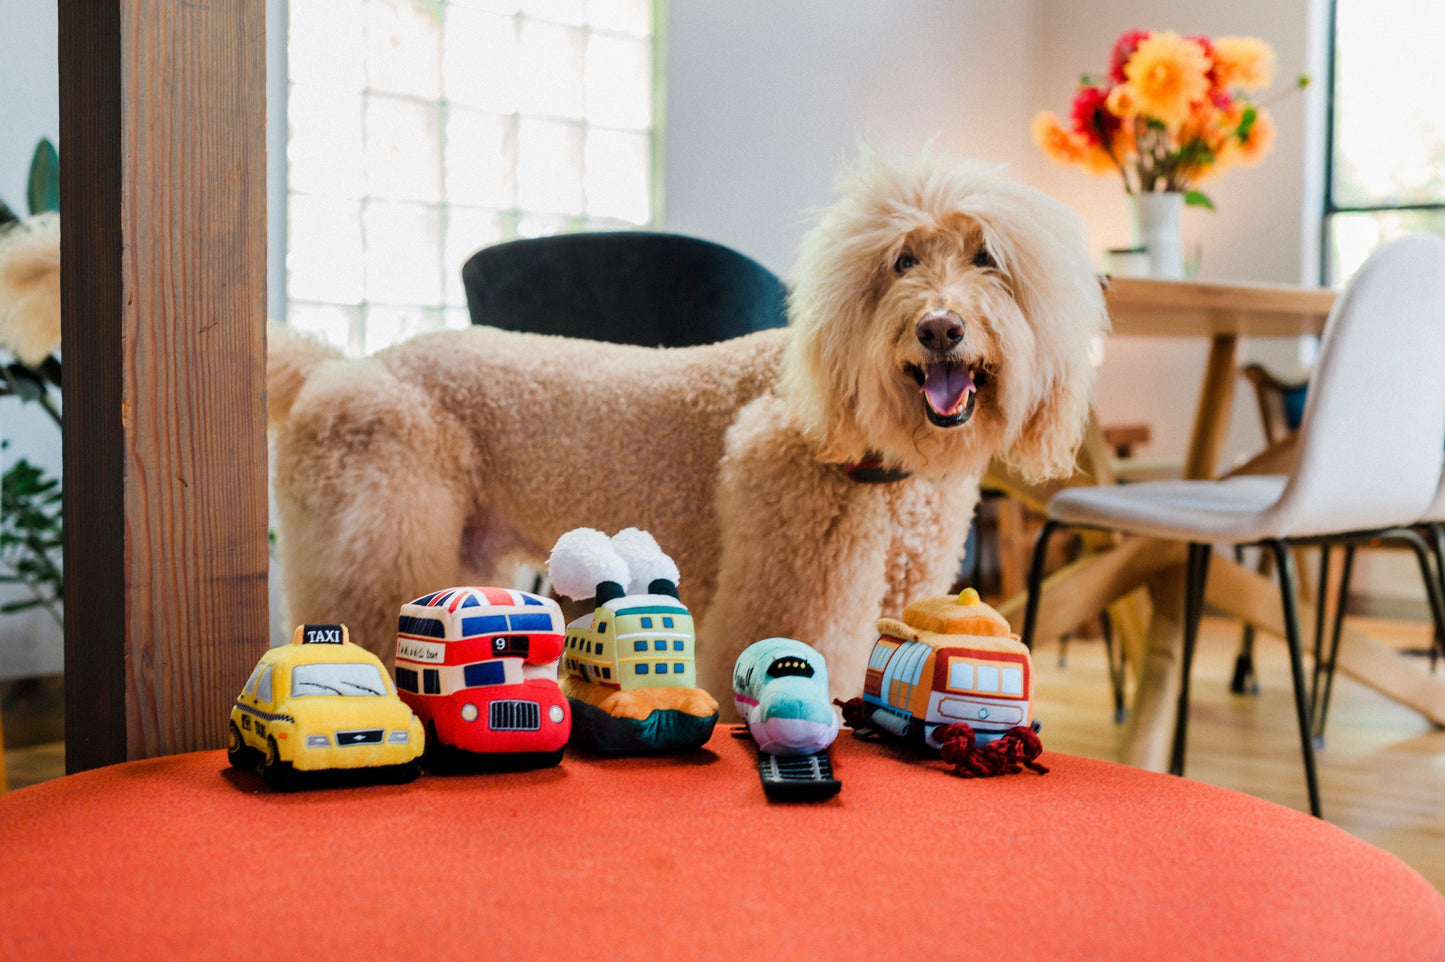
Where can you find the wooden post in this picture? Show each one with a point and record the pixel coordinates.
(163, 259)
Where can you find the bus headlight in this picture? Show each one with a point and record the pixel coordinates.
(469, 712)
(556, 714)
(399, 737)
(317, 741)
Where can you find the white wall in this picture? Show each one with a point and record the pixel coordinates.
(766, 99)
(30, 644)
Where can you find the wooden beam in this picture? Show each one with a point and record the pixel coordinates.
(163, 206)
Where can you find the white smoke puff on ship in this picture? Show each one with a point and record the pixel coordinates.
(585, 563)
(646, 562)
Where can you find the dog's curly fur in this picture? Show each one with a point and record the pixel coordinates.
(446, 459)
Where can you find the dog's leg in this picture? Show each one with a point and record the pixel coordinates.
(369, 501)
(803, 553)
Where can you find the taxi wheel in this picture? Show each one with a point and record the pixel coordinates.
(278, 774)
(238, 753)
(403, 774)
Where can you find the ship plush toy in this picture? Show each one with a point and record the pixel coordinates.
(952, 676)
(628, 667)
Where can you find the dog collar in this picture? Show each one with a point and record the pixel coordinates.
(874, 470)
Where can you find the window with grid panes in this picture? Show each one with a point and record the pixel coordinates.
(422, 130)
(1386, 131)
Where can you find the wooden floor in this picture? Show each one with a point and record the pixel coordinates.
(1382, 769)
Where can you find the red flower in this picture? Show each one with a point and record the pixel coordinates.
(1124, 49)
(1091, 116)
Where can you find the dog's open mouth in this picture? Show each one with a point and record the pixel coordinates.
(948, 390)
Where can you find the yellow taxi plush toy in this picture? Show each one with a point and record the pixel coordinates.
(322, 703)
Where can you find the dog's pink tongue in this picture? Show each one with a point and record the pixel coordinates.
(946, 387)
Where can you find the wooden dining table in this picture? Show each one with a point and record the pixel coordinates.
(1140, 581)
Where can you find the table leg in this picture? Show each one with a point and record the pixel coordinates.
(1211, 415)
(1148, 736)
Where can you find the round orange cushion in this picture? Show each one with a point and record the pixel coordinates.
(682, 857)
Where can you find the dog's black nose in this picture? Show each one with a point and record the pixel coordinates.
(940, 332)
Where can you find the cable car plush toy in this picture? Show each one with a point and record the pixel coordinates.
(628, 667)
(952, 676)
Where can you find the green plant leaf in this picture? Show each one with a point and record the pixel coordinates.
(1246, 123)
(1197, 198)
(43, 190)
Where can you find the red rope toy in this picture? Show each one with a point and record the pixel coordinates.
(1017, 749)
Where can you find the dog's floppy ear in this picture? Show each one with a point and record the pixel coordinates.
(1051, 269)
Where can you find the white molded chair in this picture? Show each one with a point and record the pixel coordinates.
(1369, 459)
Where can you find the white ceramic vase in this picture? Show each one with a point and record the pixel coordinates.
(1155, 221)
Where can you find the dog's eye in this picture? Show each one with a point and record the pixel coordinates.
(905, 261)
(982, 258)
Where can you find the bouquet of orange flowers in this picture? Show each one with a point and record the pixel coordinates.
(1170, 112)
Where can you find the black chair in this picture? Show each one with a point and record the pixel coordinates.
(630, 287)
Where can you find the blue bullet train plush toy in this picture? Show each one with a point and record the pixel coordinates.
(780, 686)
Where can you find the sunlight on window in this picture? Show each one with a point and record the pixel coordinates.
(423, 130)
(1388, 163)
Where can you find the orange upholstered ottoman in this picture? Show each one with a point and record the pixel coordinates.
(682, 857)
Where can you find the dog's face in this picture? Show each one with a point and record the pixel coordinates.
(941, 317)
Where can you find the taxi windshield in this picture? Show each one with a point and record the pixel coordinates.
(348, 678)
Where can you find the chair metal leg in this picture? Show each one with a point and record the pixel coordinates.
(1036, 580)
(1321, 701)
(1289, 602)
(1436, 542)
(1244, 681)
(1430, 573)
(1317, 678)
(1196, 574)
(1116, 667)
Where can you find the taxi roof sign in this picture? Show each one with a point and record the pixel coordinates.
(320, 635)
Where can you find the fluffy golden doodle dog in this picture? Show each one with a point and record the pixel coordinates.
(939, 315)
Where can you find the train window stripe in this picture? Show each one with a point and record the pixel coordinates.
(652, 610)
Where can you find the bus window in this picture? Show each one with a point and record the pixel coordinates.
(987, 678)
(960, 676)
(484, 673)
(1013, 681)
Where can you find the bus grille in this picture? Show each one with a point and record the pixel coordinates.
(515, 716)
